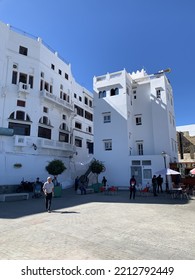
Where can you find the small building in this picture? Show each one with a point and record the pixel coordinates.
(134, 125)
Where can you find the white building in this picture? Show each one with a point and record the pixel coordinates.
(134, 123)
(44, 113)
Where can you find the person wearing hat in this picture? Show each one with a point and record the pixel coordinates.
(48, 189)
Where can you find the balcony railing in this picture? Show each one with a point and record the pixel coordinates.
(52, 144)
(53, 98)
(41, 143)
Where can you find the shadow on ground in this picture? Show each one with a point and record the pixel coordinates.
(17, 209)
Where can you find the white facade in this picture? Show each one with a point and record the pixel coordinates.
(134, 123)
(49, 115)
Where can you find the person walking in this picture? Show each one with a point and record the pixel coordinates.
(104, 181)
(159, 184)
(76, 183)
(132, 187)
(48, 189)
(154, 184)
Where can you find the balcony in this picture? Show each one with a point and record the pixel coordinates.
(23, 88)
(54, 99)
(52, 144)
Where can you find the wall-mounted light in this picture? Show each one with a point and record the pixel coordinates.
(34, 146)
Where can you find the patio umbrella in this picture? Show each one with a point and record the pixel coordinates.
(192, 171)
(167, 171)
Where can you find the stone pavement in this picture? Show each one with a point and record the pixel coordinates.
(98, 226)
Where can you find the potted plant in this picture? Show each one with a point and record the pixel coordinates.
(97, 167)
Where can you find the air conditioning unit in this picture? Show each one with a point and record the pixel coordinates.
(23, 87)
(20, 140)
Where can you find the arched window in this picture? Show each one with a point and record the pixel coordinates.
(102, 94)
(114, 91)
(45, 120)
(63, 126)
(20, 116)
(44, 132)
(19, 122)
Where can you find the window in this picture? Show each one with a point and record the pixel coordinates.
(64, 117)
(23, 50)
(45, 109)
(46, 86)
(138, 120)
(107, 118)
(80, 98)
(86, 100)
(158, 93)
(53, 66)
(75, 95)
(41, 85)
(14, 77)
(59, 72)
(78, 142)
(44, 132)
(21, 103)
(19, 115)
(135, 162)
(140, 149)
(134, 94)
(102, 94)
(88, 116)
(108, 145)
(45, 120)
(19, 128)
(63, 126)
(64, 96)
(89, 129)
(78, 125)
(23, 78)
(63, 137)
(66, 76)
(114, 91)
(30, 81)
(42, 74)
(90, 147)
(146, 162)
(79, 110)
(147, 174)
(90, 103)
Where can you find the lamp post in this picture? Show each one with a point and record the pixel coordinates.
(165, 163)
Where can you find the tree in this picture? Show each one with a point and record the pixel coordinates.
(55, 167)
(97, 167)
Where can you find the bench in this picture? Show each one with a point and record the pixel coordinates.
(14, 195)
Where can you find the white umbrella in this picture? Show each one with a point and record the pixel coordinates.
(167, 171)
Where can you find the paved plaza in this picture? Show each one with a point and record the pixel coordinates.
(98, 227)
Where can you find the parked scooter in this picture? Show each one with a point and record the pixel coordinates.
(25, 186)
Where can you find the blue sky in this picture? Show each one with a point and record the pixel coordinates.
(100, 36)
